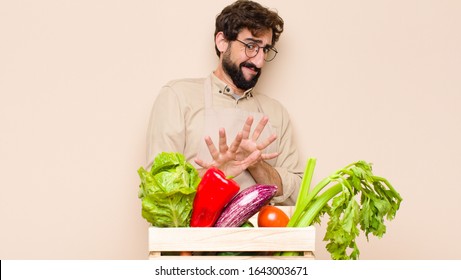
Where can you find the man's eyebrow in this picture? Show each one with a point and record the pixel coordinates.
(257, 41)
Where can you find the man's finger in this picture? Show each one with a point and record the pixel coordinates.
(269, 140)
(201, 163)
(236, 143)
(269, 156)
(211, 148)
(259, 128)
(247, 127)
(252, 158)
(222, 141)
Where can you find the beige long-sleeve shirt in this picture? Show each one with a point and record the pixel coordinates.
(177, 125)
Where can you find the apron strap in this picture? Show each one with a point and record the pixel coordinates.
(260, 108)
(208, 93)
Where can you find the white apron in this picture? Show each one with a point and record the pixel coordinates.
(232, 120)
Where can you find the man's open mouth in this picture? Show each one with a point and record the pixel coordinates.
(251, 67)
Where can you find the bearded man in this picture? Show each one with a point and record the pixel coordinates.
(221, 120)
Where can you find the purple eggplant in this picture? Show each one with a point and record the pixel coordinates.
(245, 204)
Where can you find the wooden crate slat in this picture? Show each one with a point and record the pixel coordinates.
(231, 239)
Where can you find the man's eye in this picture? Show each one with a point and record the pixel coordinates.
(266, 50)
(251, 47)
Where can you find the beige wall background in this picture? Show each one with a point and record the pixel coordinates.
(363, 80)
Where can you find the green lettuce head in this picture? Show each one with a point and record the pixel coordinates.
(167, 191)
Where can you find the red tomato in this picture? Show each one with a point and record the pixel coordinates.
(271, 216)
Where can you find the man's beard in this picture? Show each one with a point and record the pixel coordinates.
(236, 74)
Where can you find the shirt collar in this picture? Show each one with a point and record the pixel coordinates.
(222, 88)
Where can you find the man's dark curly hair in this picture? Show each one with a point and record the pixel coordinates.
(247, 14)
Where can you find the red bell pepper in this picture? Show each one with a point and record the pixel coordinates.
(213, 193)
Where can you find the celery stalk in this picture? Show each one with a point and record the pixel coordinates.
(303, 190)
(353, 197)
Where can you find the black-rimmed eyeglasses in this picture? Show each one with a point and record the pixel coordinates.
(252, 49)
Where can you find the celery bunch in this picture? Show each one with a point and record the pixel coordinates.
(352, 197)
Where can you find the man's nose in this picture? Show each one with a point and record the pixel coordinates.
(258, 60)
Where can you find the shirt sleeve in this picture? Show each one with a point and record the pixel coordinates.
(166, 132)
(288, 164)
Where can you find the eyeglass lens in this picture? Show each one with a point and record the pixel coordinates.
(251, 50)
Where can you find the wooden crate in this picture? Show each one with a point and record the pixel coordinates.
(164, 243)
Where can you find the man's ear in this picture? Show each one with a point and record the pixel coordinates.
(221, 42)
